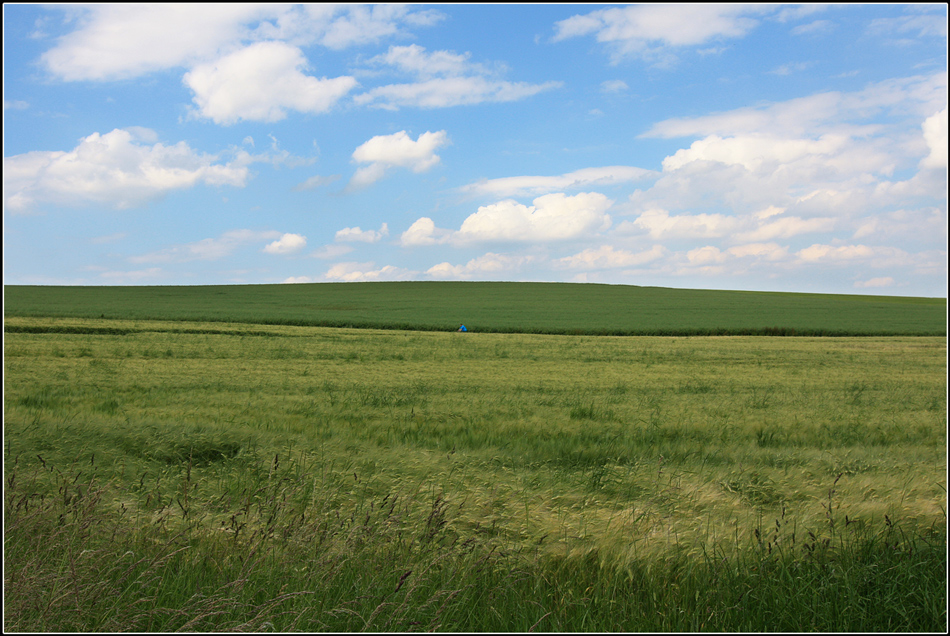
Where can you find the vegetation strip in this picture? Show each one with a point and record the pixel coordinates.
(548, 308)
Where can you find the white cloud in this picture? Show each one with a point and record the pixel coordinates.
(818, 253)
(817, 27)
(119, 41)
(584, 178)
(825, 159)
(341, 26)
(210, 249)
(353, 272)
(490, 263)
(707, 255)
(883, 281)
(819, 114)
(316, 181)
(662, 225)
(761, 226)
(935, 134)
(330, 252)
(760, 251)
(912, 26)
(299, 280)
(653, 32)
(114, 169)
(443, 92)
(443, 79)
(135, 277)
(397, 150)
(415, 60)
(758, 153)
(613, 86)
(786, 227)
(553, 217)
(361, 236)
(923, 227)
(791, 67)
(607, 257)
(261, 83)
(286, 244)
(422, 232)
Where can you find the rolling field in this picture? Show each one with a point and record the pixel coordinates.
(167, 475)
(554, 308)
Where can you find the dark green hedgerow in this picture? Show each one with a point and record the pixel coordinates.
(679, 333)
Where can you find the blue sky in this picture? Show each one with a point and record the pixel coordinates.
(780, 147)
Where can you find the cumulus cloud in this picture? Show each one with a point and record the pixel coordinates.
(286, 244)
(397, 150)
(552, 217)
(824, 161)
(583, 178)
(122, 169)
(119, 41)
(935, 134)
(443, 79)
(261, 83)
(361, 236)
(423, 232)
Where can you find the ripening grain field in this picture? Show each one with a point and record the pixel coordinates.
(164, 476)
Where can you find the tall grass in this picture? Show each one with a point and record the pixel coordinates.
(284, 555)
(186, 476)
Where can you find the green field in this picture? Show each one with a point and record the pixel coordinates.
(166, 475)
(554, 308)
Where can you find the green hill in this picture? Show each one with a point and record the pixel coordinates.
(557, 308)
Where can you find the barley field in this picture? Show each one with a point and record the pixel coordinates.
(183, 475)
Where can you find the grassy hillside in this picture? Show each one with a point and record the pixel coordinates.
(554, 308)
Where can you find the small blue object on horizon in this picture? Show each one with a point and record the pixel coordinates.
(462, 328)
